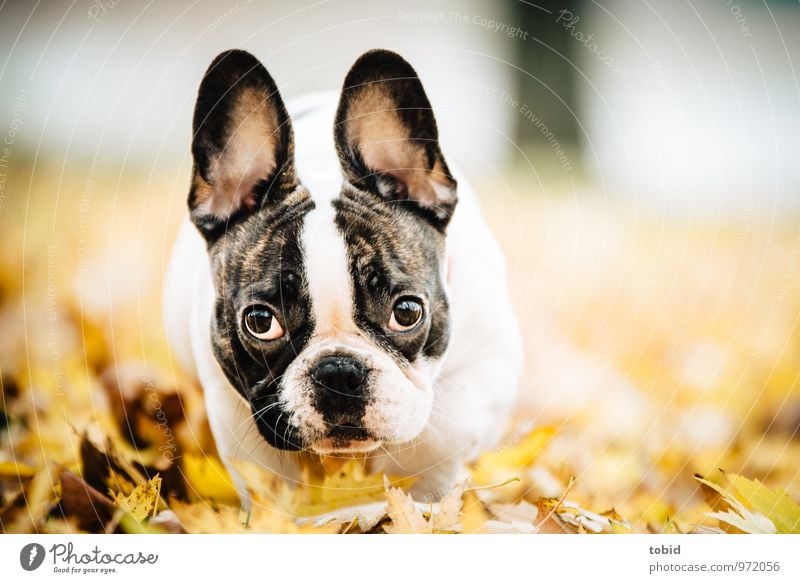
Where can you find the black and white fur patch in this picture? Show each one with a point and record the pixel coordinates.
(324, 218)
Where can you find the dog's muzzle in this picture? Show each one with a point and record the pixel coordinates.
(341, 394)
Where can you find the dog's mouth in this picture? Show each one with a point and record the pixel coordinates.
(343, 439)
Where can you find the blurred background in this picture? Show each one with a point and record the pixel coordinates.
(636, 160)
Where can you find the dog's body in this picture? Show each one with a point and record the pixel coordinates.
(435, 393)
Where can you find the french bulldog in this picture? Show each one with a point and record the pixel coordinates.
(334, 288)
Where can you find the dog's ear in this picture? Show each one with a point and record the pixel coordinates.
(243, 144)
(387, 139)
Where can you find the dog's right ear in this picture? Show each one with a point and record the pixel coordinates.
(387, 139)
(243, 143)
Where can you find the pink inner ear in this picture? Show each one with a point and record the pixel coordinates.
(249, 202)
(233, 185)
(430, 188)
(387, 148)
(249, 156)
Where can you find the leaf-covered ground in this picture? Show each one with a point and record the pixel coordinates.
(674, 407)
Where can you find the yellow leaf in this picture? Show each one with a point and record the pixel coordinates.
(406, 517)
(202, 518)
(16, 470)
(739, 516)
(142, 501)
(207, 478)
(749, 522)
(364, 516)
(580, 519)
(118, 484)
(447, 517)
(473, 516)
(774, 504)
(501, 464)
(350, 486)
(40, 496)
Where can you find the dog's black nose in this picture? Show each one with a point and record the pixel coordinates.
(340, 376)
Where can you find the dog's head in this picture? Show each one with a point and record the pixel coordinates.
(331, 314)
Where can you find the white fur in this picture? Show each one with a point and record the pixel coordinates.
(469, 390)
(324, 248)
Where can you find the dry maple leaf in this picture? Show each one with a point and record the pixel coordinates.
(405, 516)
(447, 518)
(581, 520)
(202, 518)
(756, 509)
(143, 501)
(365, 517)
(774, 504)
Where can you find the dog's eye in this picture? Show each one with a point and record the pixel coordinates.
(406, 314)
(262, 324)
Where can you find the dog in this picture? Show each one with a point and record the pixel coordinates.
(334, 287)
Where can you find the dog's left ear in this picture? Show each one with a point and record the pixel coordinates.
(243, 144)
(387, 139)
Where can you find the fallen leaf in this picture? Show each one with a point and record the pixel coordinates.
(404, 514)
(582, 520)
(774, 504)
(143, 501)
(442, 517)
(16, 470)
(102, 464)
(364, 516)
(208, 478)
(350, 486)
(90, 508)
(446, 518)
(473, 513)
(739, 515)
(202, 518)
(147, 411)
(519, 512)
(29, 509)
(502, 464)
